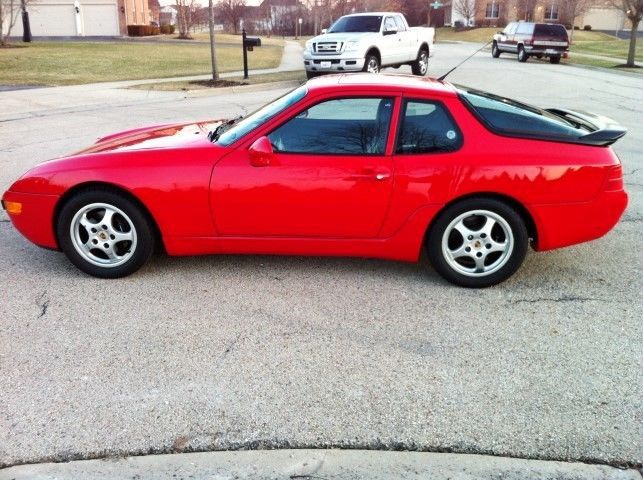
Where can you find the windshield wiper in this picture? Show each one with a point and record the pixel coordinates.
(214, 135)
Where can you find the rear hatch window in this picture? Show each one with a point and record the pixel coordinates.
(509, 117)
(550, 32)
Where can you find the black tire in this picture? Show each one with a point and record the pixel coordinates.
(495, 51)
(539, 56)
(310, 75)
(420, 66)
(554, 59)
(129, 219)
(463, 269)
(522, 55)
(371, 62)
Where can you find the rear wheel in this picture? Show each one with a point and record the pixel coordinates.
(495, 51)
(371, 64)
(554, 59)
(104, 233)
(522, 55)
(421, 65)
(477, 242)
(310, 75)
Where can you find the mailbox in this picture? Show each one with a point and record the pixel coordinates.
(250, 42)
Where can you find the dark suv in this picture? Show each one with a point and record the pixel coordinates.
(527, 39)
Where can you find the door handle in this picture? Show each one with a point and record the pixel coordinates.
(371, 174)
(382, 176)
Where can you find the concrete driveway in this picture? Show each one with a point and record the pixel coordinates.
(265, 352)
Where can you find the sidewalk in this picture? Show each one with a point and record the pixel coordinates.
(34, 102)
(317, 464)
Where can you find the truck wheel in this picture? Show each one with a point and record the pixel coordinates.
(371, 64)
(495, 51)
(554, 59)
(421, 65)
(310, 75)
(522, 55)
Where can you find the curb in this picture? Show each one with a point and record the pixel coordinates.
(314, 464)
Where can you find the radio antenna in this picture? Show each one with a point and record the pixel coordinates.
(446, 74)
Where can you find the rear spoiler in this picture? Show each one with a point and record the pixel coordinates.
(603, 131)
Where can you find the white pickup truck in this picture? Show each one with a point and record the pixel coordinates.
(367, 42)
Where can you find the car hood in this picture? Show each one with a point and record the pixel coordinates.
(155, 137)
(344, 37)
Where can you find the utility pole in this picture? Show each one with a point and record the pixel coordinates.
(213, 51)
(26, 28)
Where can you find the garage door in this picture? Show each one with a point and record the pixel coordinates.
(100, 19)
(51, 20)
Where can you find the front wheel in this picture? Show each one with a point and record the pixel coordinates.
(554, 59)
(310, 74)
(104, 233)
(371, 64)
(522, 55)
(477, 243)
(421, 65)
(495, 51)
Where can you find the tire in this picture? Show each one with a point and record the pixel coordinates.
(522, 55)
(495, 51)
(477, 242)
(555, 59)
(93, 246)
(420, 66)
(371, 64)
(310, 75)
(539, 56)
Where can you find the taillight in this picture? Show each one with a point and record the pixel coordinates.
(614, 180)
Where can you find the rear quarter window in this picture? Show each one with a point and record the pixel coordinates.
(509, 117)
(525, 28)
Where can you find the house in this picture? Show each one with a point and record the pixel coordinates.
(279, 16)
(72, 18)
(497, 13)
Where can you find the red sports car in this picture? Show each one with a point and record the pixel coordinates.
(361, 165)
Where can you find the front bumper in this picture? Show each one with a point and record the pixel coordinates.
(333, 63)
(35, 220)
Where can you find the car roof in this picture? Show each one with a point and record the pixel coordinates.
(389, 81)
(370, 14)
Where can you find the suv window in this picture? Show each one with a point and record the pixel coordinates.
(510, 29)
(506, 116)
(525, 28)
(357, 126)
(427, 128)
(554, 31)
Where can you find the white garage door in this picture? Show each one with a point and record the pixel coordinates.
(51, 20)
(100, 19)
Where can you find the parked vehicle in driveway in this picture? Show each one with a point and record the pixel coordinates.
(367, 42)
(354, 165)
(527, 39)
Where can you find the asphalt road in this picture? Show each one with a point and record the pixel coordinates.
(261, 352)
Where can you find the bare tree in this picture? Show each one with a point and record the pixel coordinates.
(185, 17)
(231, 11)
(466, 9)
(9, 13)
(574, 9)
(527, 7)
(633, 10)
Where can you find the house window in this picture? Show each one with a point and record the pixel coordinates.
(492, 10)
(551, 12)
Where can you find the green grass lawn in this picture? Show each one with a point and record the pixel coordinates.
(68, 63)
(299, 76)
(236, 39)
(611, 48)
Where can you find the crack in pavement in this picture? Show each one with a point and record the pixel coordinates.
(562, 299)
(43, 303)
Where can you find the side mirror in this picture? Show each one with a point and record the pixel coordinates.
(324, 31)
(392, 31)
(261, 153)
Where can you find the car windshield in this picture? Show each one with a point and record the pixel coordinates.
(512, 117)
(361, 23)
(252, 121)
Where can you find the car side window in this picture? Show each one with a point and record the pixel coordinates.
(427, 127)
(389, 24)
(511, 29)
(354, 126)
(525, 28)
(400, 24)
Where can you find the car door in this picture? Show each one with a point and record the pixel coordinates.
(391, 42)
(408, 43)
(505, 43)
(328, 175)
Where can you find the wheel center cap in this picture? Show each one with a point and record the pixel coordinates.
(102, 236)
(477, 244)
